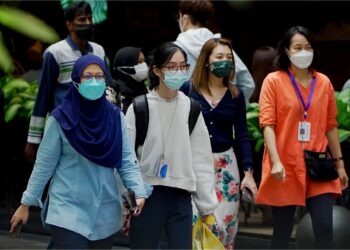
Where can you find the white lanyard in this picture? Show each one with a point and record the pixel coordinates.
(165, 137)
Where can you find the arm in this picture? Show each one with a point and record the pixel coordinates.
(277, 171)
(202, 162)
(242, 138)
(43, 100)
(130, 171)
(333, 137)
(334, 146)
(267, 121)
(243, 78)
(48, 156)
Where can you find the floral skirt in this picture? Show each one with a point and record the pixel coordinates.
(227, 191)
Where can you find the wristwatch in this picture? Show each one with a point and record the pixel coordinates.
(340, 158)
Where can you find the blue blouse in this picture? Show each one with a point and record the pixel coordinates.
(226, 123)
(83, 196)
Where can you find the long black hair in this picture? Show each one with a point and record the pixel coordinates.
(282, 59)
(159, 57)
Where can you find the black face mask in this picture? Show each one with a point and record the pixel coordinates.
(84, 32)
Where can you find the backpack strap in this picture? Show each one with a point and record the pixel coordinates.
(195, 110)
(140, 105)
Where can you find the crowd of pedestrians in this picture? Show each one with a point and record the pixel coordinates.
(170, 130)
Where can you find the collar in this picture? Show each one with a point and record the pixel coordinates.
(74, 46)
(312, 71)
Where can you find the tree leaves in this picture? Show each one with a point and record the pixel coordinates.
(27, 24)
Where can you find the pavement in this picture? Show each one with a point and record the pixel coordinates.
(37, 241)
(24, 241)
(252, 234)
(30, 241)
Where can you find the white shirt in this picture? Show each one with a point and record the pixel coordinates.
(189, 158)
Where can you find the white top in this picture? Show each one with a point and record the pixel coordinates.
(189, 158)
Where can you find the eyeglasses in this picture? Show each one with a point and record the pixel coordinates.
(175, 67)
(98, 76)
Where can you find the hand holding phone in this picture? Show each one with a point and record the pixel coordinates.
(130, 200)
(16, 231)
(247, 195)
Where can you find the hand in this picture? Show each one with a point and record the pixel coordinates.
(208, 220)
(249, 182)
(30, 151)
(343, 177)
(278, 171)
(21, 215)
(140, 203)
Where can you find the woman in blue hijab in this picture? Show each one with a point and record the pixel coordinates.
(85, 142)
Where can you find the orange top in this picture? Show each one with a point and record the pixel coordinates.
(281, 107)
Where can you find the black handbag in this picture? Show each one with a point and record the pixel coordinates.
(320, 166)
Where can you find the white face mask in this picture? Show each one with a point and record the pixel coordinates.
(141, 71)
(302, 59)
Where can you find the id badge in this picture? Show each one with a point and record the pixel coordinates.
(161, 167)
(304, 130)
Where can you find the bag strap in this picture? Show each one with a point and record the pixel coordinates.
(141, 110)
(140, 105)
(195, 110)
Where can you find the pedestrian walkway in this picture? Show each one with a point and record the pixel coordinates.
(24, 241)
(29, 241)
(251, 234)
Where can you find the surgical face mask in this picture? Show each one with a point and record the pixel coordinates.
(84, 32)
(91, 89)
(141, 72)
(174, 80)
(222, 68)
(301, 59)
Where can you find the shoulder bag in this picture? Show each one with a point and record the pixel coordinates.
(320, 166)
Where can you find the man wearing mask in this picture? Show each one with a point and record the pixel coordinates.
(193, 16)
(58, 62)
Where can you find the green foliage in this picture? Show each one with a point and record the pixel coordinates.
(255, 133)
(6, 62)
(98, 7)
(26, 24)
(343, 118)
(19, 97)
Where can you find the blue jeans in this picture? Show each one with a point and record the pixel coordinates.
(66, 239)
(167, 210)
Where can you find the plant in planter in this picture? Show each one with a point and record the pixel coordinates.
(19, 94)
(255, 133)
(343, 118)
(19, 97)
(256, 138)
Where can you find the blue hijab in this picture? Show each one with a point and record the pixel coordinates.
(93, 128)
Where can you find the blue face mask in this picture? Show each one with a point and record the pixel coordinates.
(92, 89)
(174, 80)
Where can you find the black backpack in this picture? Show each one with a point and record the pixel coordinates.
(140, 105)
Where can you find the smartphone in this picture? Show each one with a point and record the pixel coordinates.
(15, 233)
(130, 199)
(247, 195)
